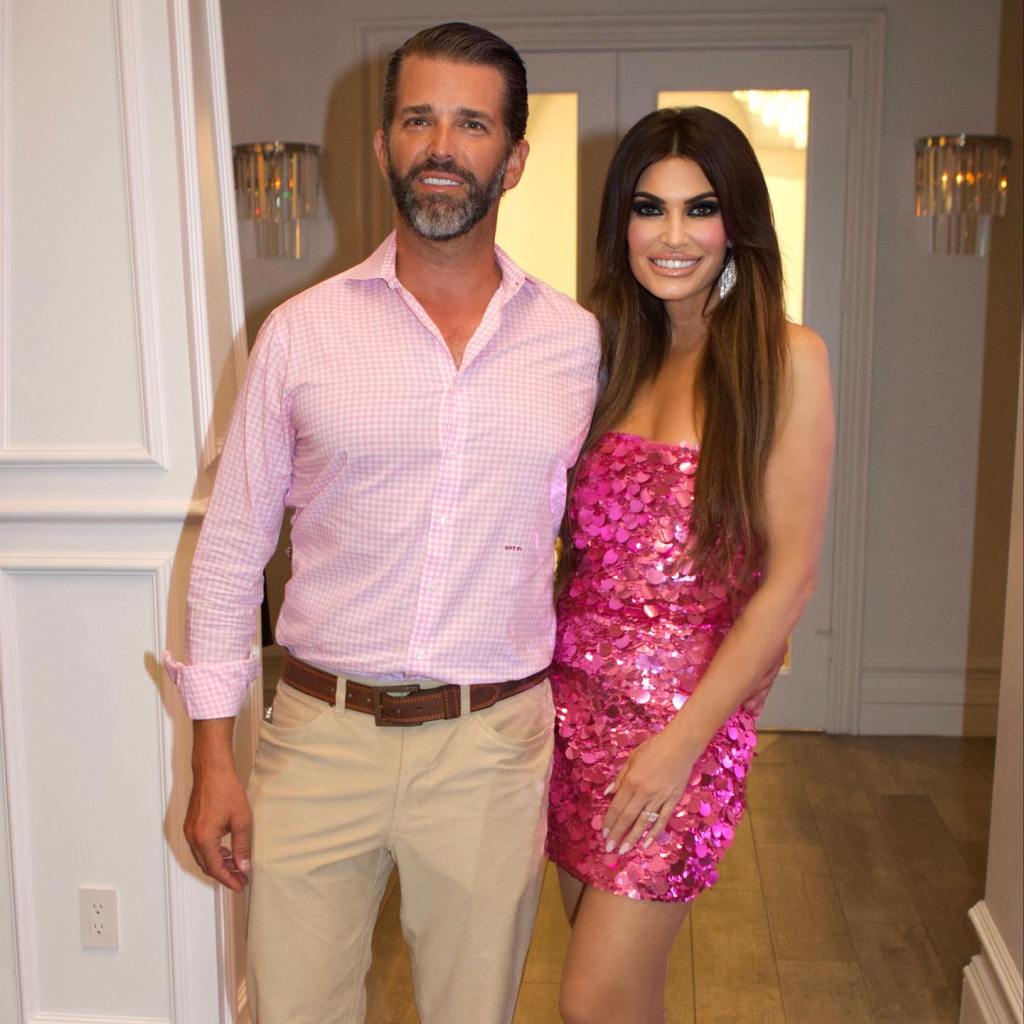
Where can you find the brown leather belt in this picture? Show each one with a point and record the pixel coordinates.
(401, 704)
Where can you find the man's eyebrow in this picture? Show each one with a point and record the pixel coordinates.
(419, 109)
(476, 115)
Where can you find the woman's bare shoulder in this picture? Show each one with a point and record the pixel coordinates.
(807, 348)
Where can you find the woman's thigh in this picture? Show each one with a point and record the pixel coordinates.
(615, 967)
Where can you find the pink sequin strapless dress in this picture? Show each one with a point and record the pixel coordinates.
(635, 634)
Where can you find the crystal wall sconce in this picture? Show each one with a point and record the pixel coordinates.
(961, 184)
(276, 185)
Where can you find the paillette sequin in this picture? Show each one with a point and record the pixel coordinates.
(636, 630)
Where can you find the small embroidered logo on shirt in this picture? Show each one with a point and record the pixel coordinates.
(513, 547)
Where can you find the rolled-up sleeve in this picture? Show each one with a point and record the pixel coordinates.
(238, 537)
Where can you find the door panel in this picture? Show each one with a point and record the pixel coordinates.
(799, 699)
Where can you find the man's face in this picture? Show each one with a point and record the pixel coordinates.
(446, 154)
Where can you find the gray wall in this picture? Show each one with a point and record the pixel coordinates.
(932, 637)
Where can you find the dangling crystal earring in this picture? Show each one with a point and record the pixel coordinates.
(727, 279)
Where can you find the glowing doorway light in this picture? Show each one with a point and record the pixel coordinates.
(785, 110)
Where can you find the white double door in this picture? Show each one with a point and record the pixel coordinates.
(615, 89)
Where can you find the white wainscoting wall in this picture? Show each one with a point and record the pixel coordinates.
(122, 342)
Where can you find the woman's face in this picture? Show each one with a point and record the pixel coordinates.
(676, 238)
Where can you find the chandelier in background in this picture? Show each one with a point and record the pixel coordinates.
(961, 182)
(276, 186)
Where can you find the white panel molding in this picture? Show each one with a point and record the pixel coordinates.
(862, 35)
(6, 120)
(982, 999)
(145, 305)
(82, 1018)
(190, 987)
(999, 961)
(200, 21)
(103, 512)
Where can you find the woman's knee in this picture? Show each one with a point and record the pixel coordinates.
(587, 1002)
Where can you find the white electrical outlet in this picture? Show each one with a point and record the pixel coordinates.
(98, 909)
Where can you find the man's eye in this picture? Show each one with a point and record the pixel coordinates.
(475, 126)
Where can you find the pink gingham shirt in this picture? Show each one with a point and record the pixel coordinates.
(426, 496)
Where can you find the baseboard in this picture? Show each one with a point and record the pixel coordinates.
(983, 1001)
(995, 979)
(929, 700)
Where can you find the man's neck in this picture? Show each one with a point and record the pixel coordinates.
(461, 272)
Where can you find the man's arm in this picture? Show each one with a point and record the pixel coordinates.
(218, 806)
(238, 536)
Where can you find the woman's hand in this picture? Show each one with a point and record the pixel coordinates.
(647, 789)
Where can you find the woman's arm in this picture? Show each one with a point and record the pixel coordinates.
(796, 497)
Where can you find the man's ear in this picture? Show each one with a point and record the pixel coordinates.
(516, 164)
(380, 147)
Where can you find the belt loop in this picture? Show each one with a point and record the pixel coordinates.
(339, 695)
(464, 699)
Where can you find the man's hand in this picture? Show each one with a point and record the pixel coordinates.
(218, 806)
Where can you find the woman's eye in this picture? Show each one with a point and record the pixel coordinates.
(643, 208)
(706, 209)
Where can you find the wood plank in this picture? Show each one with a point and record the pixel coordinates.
(943, 912)
(871, 886)
(815, 992)
(903, 979)
(389, 983)
(778, 805)
(679, 1001)
(734, 968)
(920, 843)
(775, 748)
(538, 1003)
(886, 764)
(804, 911)
(551, 934)
(975, 852)
(831, 776)
(738, 867)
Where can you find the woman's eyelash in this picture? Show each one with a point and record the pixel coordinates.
(646, 208)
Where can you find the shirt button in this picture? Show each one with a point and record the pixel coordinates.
(418, 654)
(443, 520)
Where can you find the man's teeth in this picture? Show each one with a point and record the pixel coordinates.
(440, 181)
(674, 264)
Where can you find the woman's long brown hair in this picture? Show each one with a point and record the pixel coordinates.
(742, 368)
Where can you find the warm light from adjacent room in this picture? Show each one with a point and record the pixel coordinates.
(537, 222)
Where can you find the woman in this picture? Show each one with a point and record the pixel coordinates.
(694, 529)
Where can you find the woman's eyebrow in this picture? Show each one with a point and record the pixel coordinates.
(686, 202)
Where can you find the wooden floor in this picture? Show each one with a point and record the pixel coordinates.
(843, 901)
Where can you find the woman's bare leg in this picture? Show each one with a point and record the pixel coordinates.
(616, 964)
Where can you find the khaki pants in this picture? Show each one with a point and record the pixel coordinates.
(459, 806)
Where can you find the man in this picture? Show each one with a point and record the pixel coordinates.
(418, 413)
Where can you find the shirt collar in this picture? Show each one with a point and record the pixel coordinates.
(380, 266)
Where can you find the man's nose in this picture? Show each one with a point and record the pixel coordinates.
(440, 143)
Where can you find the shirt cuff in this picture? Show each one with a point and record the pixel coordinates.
(215, 690)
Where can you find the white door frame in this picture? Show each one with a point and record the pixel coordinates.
(862, 35)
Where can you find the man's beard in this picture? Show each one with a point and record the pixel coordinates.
(442, 217)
